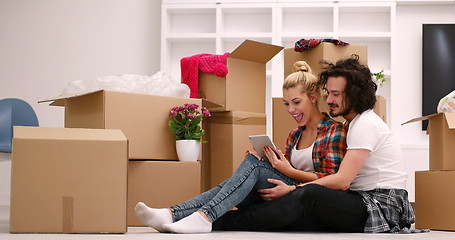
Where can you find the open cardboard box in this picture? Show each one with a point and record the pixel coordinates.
(324, 51)
(143, 118)
(441, 128)
(68, 181)
(244, 86)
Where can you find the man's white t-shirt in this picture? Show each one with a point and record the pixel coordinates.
(384, 167)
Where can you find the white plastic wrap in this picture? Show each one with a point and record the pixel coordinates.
(447, 103)
(159, 84)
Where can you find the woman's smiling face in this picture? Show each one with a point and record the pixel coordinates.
(299, 104)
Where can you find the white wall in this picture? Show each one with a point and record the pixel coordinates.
(45, 44)
(407, 82)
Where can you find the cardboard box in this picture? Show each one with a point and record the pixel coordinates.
(441, 128)
(434, 198)
(143, 118)
(324, 51)
(228, 141)
(380, 108)
(161, 184)
(283, 122)
(68, 181)
(244, 86)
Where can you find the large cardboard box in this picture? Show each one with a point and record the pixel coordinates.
(143, 118)
(228, 141)
(324, 51)
(441, 128)
(244, 86)
(68, 181)
(161, 184)
(434, 198)
(283, 122)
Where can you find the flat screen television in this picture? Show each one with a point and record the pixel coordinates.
(438, 65)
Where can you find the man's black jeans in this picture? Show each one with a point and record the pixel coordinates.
(309, 208)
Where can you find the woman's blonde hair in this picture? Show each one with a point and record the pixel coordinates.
(303, 78)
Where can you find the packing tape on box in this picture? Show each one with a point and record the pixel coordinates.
(67, 215)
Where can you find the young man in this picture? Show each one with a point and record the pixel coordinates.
(367, 194)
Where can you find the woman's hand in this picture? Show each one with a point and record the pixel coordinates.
(281, 164)
(279, 190)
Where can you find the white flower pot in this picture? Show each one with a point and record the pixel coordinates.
(187, 150)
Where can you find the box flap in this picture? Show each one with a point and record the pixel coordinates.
(255, 51)
(421, 118)
(450, 117)
(59, 100)
(24, 132)
(210, 105)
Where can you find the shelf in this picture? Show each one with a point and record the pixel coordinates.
(192, 27)
(365, 36)
(302, 34)
(247, 35)
(189, 37)
(250, 20)
(364, 19)
(307, 19)
(190, 20)
(424, 2)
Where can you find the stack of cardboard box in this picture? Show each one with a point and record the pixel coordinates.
(434, 189)
(241, 95)
(155, 176)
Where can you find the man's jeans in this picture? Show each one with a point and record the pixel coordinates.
(240, 188)
(309, 208)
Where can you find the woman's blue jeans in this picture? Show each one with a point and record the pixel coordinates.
(240, 188)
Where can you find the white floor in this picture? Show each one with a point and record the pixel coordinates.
(138, 233)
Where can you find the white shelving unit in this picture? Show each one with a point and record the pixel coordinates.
(215, 27)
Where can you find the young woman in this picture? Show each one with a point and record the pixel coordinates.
(313, 150)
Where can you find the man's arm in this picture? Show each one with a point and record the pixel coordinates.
(349, 168)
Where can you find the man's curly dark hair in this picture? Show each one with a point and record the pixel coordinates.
(360, 90)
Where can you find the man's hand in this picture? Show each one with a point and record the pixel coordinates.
(279, 190)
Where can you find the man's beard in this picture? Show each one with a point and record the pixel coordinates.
(345, 111)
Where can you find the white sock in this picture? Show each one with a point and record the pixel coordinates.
(153, 217)
(194, 223)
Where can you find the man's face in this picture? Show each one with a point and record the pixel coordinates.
(336, 97)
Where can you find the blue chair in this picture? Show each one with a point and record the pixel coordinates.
(14, 112)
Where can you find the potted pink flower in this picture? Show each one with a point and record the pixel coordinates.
(185, 122)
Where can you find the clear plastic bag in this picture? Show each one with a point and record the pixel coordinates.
(158, 84)
(447, 103)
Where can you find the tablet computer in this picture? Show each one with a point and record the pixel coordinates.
(260, 141)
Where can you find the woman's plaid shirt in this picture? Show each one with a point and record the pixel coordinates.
(329, 146)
